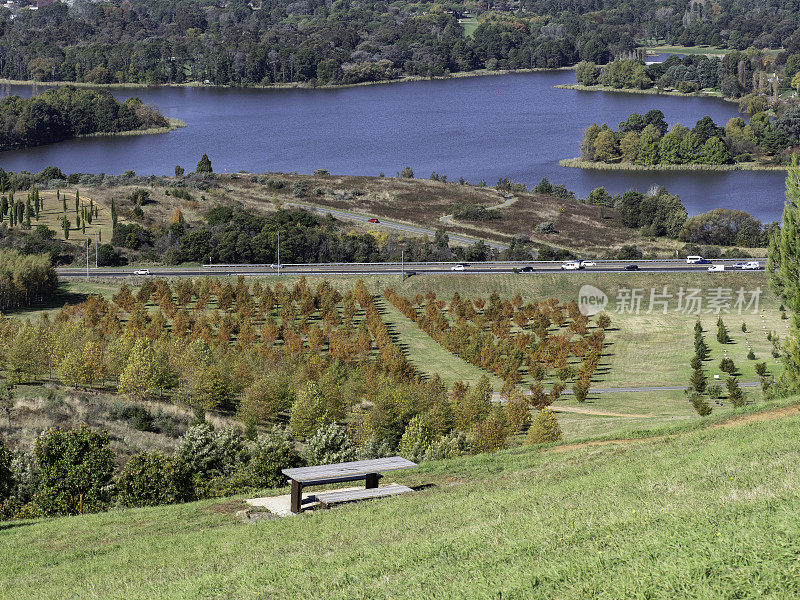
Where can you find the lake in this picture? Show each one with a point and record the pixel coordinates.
(516, 126)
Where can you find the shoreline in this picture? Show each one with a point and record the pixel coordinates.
(592, 165)
(297, 85)
(173, 125)
(648, 92)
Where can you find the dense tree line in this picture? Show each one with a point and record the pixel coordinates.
(757, 75)
(646, 140)
(244, 43)
(25, 279)
(66, 112)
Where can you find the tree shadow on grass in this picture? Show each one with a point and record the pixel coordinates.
(58, 300)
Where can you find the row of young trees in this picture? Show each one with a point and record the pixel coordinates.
(646, 141)
(508, 338)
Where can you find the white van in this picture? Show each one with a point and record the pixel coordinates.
(693, 260)
(716, 268)
(753, 265)
(573, 265)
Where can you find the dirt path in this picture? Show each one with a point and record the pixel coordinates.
(767, 415)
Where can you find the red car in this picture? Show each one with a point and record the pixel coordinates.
(374, 220)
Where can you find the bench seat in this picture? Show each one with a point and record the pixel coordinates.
(329, 498)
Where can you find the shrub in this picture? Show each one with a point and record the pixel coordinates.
(329, 445)
(407, 173)
(697, 381)
(415, 440)
(300, 188)
(726, 365)
(452, 445)
(761, 369)
(6, 473)
(273, 453)
(546, 227)
(544, 428)
(700, 405)
(715, 391)
(581, 390)
(735, 392)
(375, 448)
(275, 183)
(77, 471)
(751, 355)
(205, 453)
(518, 414)
(490, 434)
(151, 479)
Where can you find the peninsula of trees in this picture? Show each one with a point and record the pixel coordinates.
(65, 113)
(646, 141)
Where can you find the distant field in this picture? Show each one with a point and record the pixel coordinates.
(707, 50)
(469, 25)
(54, 210)
(703, 514)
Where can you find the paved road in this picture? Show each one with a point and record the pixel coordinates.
(608, 266)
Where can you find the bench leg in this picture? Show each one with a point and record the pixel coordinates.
(372, 480)
(297, 496)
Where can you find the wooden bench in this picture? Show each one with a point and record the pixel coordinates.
(368, 470)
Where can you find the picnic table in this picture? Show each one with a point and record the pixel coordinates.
(368, 470)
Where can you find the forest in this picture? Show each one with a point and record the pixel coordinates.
(67, 112)
(241, 43)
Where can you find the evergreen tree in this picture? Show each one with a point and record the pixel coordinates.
(113, 214)
(204, 165)
(783, 268)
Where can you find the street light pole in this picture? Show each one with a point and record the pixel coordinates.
(402, 264)
(87, 259)
(279, 253)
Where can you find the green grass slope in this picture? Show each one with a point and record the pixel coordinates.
(706, 514)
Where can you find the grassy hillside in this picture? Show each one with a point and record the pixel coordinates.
(704, 514)
(422, 202)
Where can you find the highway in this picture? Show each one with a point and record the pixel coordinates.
(477, 268)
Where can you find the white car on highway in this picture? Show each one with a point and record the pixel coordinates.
(753, 265)
(588, 263)
(572, 265)
(716, 268)
(142, 272)
(457, 268)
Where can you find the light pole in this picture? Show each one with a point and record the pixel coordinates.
(279, 252)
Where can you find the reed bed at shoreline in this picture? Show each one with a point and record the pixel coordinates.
(601, 166)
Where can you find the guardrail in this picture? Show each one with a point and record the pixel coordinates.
(471, 263)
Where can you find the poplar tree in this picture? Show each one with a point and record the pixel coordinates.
(783, 267)
(113, 214)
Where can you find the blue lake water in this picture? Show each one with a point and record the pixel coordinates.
(516, 126)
